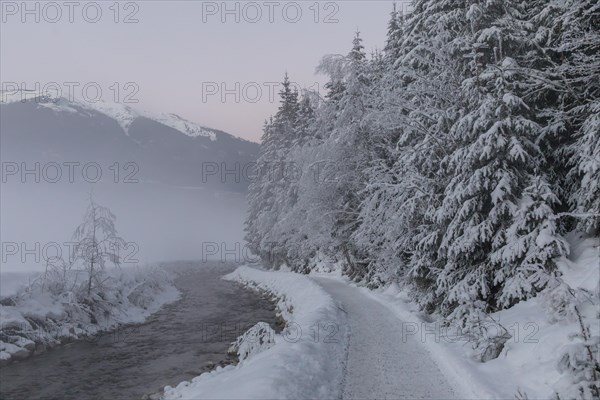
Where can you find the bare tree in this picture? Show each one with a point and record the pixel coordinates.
(97, 242)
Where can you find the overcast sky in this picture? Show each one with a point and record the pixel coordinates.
(191, 58)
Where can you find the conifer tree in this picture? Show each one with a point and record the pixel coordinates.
(267, 192)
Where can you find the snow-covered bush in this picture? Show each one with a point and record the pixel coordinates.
(47, 317)
(581, 361)
(255, 340)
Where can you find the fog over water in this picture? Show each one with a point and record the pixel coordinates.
(164, 178)
(160, 222)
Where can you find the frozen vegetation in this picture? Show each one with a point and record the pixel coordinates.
(52, 310)
(461, 165)
(82, 296)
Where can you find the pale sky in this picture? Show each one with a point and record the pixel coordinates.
(181, 55)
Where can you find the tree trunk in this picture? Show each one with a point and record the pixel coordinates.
(90, 278)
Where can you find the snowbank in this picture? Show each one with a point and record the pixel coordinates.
(302, 364)
(34, 319)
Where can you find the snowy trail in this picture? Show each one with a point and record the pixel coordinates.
(379, 364)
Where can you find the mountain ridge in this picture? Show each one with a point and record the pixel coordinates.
(166, 147)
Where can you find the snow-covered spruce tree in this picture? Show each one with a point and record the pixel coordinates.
(306, 224)
(582, 361)
(586, 197)
(258, 196)
(394, 38)
(370, 236)
(525, 264)
(432, 99)
(305, 119)
(580, 46)
(349, 149)
(543, 89)
(565, 83)
(496, 160)
(97, 243)
(268, 188)
(419, 98)
(291, 228)
(318, 212)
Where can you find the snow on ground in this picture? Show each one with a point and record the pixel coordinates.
(304, 363)
(386, 348)
(451, 360)
(380, 364)
(34, 319)
(357, 353)
(528, 363)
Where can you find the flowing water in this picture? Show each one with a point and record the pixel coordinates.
(177, 343)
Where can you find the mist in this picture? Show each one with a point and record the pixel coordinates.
(158, 221)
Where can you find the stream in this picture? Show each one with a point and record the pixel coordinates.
(179, 342)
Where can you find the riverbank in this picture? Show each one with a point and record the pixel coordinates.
(180, 341)
(38, 318)
(306, 358)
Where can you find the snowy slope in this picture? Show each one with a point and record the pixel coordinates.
(157, 148)
(122, 113)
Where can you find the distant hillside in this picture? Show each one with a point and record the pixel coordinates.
(166, 148)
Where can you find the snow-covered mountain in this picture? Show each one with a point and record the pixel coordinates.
(165, 147)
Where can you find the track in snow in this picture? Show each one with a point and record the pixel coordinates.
(379, 364)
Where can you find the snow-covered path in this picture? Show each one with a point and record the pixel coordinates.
(380, 365)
